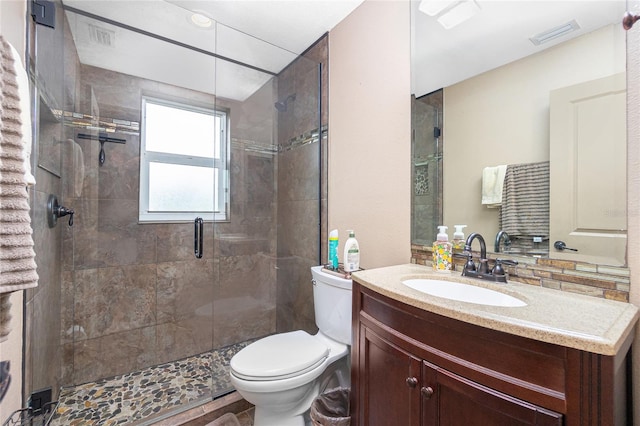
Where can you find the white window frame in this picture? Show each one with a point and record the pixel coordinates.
(221, 163)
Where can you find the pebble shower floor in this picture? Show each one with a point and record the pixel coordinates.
(133, 397)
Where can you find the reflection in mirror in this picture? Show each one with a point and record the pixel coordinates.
(504, 116)
(426, 167)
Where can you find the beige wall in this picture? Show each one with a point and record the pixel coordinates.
(12, 28)
(633, 187)
(369, 131)
(502, 117)
(12, 23)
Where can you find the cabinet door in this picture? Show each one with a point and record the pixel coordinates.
(449, 399)
(389, 390)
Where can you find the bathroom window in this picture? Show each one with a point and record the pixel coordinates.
(183, 162)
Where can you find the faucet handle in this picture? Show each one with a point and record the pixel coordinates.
(469, 266)
(497, 268)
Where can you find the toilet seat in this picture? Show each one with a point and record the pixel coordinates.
(279, 356)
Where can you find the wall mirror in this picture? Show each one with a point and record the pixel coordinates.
(517, 84)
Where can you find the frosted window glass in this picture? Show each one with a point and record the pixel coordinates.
(180, 131)
(183, 162)
(175, 187)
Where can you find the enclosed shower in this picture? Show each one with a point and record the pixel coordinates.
(138, 297)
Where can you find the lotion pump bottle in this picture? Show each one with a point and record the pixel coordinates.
(458, 237)
(351, 253)
(333, 249)
(442, 250)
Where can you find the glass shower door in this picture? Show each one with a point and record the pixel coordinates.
(137, 332)
(264, 250)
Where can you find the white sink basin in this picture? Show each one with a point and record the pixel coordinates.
(463, 292)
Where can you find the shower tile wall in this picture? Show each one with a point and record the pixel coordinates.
(136, 295)
(298, 182)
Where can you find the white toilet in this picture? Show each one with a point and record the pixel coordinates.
(282, 374)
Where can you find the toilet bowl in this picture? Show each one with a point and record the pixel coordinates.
(283, 373)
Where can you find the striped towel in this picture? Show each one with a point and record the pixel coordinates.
(525, 200)
(17, 256)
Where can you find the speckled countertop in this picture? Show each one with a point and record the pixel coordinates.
(573, 320)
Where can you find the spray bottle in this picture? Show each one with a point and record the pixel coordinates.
(442, 250)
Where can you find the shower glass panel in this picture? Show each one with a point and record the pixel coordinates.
(132, 330)
(426, 167)
(143, 321)
(264, 251)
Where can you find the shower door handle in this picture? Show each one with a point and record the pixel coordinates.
(197, 237)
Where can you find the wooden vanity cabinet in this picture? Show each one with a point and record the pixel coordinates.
(413, 367)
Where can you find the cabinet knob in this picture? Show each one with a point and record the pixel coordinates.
(412, 382)
(427, 391)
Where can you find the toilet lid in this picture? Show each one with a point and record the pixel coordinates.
(279, 356)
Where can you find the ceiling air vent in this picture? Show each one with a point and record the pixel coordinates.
(554, 33)
(101, 36)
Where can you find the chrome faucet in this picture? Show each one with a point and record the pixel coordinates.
(502, 235)
(482, 270)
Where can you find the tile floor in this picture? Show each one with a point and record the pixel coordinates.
(133, 397)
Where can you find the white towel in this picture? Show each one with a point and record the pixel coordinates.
(492, 183)
(25, 114)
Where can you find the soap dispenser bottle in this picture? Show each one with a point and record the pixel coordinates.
(442, 251)
(458, 237)
(351, 253)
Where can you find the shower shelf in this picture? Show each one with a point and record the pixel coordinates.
(421, 161)
(30, 417)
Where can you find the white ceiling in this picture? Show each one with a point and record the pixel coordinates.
(269, 34)
(497, 35)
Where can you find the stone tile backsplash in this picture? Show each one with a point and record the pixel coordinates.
(608, 282)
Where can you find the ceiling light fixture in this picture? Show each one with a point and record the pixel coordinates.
(434, 7)
(201, 21)
(449, 12)
(554, 33)
(459, 13)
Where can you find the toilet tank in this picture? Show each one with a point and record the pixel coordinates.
(332, 304)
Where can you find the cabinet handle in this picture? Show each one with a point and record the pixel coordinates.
(412, 382)
(427, 392)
